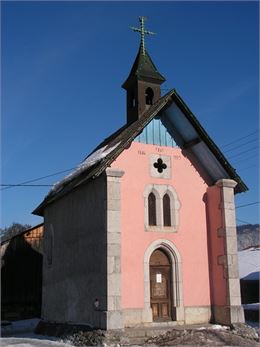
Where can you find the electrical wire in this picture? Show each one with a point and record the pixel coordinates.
(240, 138)
(249, 167)
(250, 204)
(35, 179)
(256, 155)
(248, 150)
(26, 185)
(242, 144)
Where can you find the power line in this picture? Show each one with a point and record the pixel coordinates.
(250, 204)
(240, 138)
(26, 185)
(35, 179)
(249, 167)
(248, 150)
(242, 144)
(256, 155)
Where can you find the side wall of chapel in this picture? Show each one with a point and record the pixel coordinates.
(75, 263)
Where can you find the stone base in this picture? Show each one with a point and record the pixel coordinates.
(197, 314)
(111, 320)
(184, 315)
(228, 314)
(137, 316)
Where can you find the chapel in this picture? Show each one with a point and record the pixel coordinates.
(144, 230)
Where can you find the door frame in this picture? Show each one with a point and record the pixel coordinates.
(176, 275)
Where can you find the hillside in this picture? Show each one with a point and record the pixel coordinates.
(248, 236)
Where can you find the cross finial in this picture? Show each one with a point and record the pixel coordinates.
(142, 32)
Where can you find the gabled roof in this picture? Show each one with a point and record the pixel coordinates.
(11, 235)
(192, 137)
(144, 68)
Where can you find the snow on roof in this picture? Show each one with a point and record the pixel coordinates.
(91, 160)
(249, 263)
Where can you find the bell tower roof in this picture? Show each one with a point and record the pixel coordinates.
(144, 69)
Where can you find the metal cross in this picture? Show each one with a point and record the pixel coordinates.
(160, 165)
(142, 33)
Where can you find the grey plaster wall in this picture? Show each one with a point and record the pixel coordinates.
(74, 272)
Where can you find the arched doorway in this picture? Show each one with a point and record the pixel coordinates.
(160, 286)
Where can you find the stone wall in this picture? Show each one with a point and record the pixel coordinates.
(75, 262)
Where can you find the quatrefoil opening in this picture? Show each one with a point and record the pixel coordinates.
(160, 165)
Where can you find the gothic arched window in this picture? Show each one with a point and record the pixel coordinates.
(149, 94)
(166, 210)
(152, 209)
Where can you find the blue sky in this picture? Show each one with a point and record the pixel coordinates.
(63, 64)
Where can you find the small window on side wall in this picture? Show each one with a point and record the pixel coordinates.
(166, 211)
(151, 209)
(49, 243)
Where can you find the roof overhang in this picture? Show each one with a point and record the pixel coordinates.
(185, 127)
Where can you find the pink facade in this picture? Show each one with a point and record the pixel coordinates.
(190, 238)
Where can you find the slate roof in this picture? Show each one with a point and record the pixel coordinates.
(123, 137)
(144, 68)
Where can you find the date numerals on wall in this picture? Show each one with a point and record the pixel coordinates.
(159, 150)
(140, 152)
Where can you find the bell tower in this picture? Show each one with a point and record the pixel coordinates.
(143, 83)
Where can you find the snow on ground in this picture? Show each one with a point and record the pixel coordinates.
(20, 326)
(20, 333)
(249, 263)
(31, 342)
(214, 327)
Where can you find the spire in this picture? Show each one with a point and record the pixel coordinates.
(144, 80)
(144, 69)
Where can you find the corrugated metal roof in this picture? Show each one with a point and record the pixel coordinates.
(186, 126)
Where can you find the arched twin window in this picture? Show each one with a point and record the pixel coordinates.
(161, 208)
(152, 210)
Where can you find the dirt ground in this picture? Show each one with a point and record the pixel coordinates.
(239, 335)
(205, 337)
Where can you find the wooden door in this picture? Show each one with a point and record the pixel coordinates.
(160, 286)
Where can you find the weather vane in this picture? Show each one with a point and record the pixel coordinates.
(142, 32)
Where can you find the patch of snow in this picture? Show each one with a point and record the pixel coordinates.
(214, 327)
(91, 160)
(249, 261)
(219, 327)
(20, 326)
(30, 342)
(254, 306)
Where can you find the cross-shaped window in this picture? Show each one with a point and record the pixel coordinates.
(160, 165)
